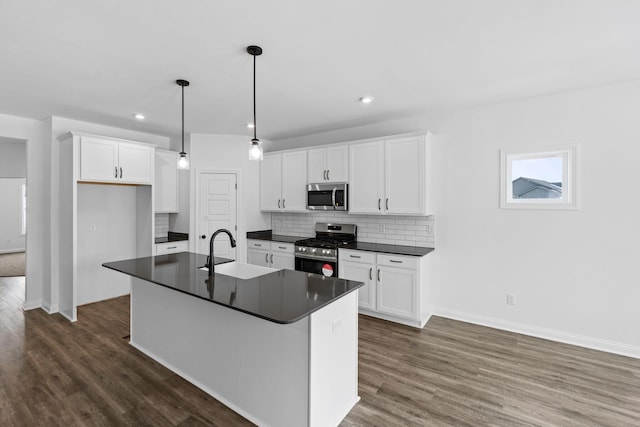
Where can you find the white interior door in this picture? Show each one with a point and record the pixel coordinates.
(217, 209)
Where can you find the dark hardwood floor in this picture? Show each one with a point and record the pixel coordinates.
(55, 373)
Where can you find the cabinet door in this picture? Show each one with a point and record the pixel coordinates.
(166, 182)
(270, 182)
(405, 176)
(134, 163)
(294, 173)
(258, 257)
(397, 291)
(98, 160)
(316, 170)
(282, 260)
(366, 177)
(337, 160)
(362, 273)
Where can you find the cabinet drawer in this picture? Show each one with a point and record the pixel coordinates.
(259, 244)
(282, 247)
(172, 247)
(398, 261)
(357, 256)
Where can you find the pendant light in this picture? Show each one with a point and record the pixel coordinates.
(183, 160)
(255, 151)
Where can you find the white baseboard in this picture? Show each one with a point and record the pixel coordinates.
(10, 251)
(545, 333)
(31, 305)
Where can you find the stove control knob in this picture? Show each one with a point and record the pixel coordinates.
(326, 251)
(313, 250)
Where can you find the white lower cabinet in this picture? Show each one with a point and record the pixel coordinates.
(270, 254)
(172, 247)
(396, 286)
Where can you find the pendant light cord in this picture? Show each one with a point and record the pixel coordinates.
(183, 119)
(255, 126)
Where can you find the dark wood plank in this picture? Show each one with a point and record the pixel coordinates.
(451, 373)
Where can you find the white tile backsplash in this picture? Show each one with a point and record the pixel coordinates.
(162, 225)
(393, 230)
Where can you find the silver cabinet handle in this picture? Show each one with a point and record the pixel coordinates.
(283, 207)
(278, 203)
(328, 170)
(378, 275)
(355, 256)
(171, 247)
(271, 258)
(371, 273)
(266, 258)
(387, 204)
(116, 168)
(393, 260)
(379, 204)
(120, 172)
(257, 244)
(326, 175)
(282, 247)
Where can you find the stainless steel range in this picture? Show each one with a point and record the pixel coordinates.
(320, 254)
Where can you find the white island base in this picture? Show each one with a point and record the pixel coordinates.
(298, 374)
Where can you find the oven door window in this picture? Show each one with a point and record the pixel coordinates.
(324, 268)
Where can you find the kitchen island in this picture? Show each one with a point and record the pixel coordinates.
(280, 347)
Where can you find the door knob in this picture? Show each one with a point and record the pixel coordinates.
(204, 236)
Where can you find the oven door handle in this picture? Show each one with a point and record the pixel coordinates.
(333, 197)
(315, 258)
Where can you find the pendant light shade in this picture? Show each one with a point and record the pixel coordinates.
(255, 150)
(183, 160)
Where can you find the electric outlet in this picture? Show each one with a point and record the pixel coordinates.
(336, 324)
(511, 299)
(429, 231)
(383, 227)
(92, 227)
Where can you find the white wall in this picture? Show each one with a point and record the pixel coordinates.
(11, 239)
(31, 131)
(573, 272)
(219, 153)
(13, 171)
(13, 158)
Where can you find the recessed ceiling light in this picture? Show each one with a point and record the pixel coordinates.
(138, 116)
(250, 125)
(366, 99)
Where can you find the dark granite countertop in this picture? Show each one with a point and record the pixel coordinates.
(390, 249)
(269, 236)
(172, 237)
(284, 296)
(359, 246)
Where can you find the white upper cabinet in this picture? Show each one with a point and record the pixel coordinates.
(166, 183)
(390, 176)
(330, 164)
(294, 171)
(270, 182)
(405, 176)
(366, 177)
(105, 160)
(282, 182)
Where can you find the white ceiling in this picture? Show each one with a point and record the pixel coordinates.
(101, 61)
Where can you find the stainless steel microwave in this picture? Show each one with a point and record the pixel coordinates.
(327, 197)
